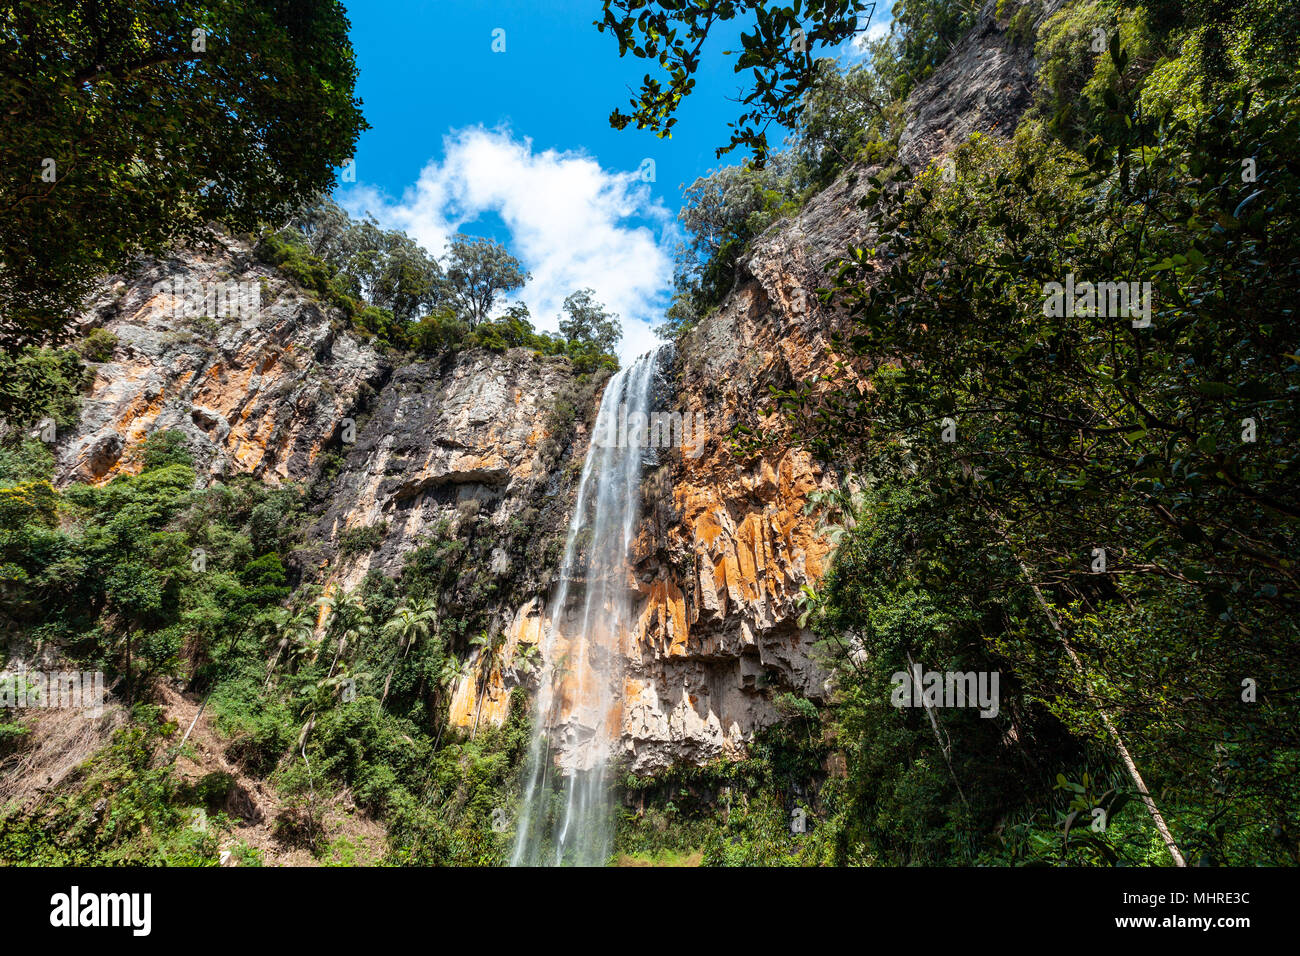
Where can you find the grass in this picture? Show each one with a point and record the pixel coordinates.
(661, 858)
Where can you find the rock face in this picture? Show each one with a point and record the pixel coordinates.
(457, 448)
(462, 450)
(726, 545)
(442, 442)
(258, 392)
(983, 86)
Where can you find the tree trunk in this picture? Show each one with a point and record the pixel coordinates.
(478, 709)
(1111, 729)
(944, 748)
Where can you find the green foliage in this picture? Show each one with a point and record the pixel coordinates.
(395, 293)
(239, 124)
(847, 117)
(737, 813)
(97, 345)
(1166, 444)
(123, 807)
(1020, 17)
(721, 213)
(163, 448)
(837, 118)
(35, 383)
(776, 52)
(117, 572)
(27, 459)
(587, 326)
(362, 538)
(921, 34)
(479, 271)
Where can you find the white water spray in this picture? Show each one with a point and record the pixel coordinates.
(579, 705)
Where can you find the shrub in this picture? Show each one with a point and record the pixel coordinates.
(97, 345)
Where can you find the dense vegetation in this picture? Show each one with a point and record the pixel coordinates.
(1099, 507)
(147, 578)
(133, 125)
(393, 291)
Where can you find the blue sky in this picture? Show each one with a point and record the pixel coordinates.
(517, 145)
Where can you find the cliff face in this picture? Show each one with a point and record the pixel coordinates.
(443, 442)
(258, 392)
(462, 447)
(727, 546)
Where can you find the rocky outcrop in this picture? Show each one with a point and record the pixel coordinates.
(459, 450)
(458, 447)
(459, 438)
(260, 391)
(984, 85)
(727, 543)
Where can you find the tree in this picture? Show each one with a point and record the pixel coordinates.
(411, 623)
(384, 268)
(491, 656)
(846, 117)
(135, 124)
(324, 228)
(389, 270)
(1105, 462)
(450, 671)
(588, 324)
(289, 629)
(479, 270)
(720, 213)
(777, 54)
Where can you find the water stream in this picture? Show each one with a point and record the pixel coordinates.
(566, 817)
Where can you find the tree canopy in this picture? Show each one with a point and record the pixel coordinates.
(587, 323)
(135, 124)
(479, 271)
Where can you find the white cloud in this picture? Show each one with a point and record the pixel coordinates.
(572, 224)
(857, 46)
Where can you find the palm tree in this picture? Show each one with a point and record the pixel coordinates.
(410, 623)
(451, 670)
(491, 655)
(525, 660)
(288, 628)
(354, 622)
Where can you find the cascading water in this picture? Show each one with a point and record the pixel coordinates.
(578, 714)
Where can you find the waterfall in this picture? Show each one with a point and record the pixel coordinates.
(578, 715)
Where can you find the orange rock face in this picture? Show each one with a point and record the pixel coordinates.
(491, 682)
(728, 541)
(260, 391)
